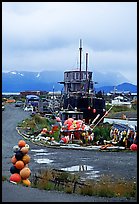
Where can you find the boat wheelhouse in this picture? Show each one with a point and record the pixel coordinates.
(79, 92)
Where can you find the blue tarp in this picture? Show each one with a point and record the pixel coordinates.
(32, 97)
(122, 127)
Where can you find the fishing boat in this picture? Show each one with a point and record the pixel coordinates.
(79, 94)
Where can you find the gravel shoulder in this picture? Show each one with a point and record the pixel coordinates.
(117, 164)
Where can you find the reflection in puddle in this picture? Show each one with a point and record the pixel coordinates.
(84, 159)
(43, 161)
(84, 168)
(92, 174)
(78, 168)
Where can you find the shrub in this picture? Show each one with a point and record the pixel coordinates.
(102, 130)
(104, 187)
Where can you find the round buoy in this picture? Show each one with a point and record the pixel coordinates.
(13, 159)
(21, 143)
(44, 130)
(15, 177)
(19, 164)
(25, 173)
(24, 150)
(16, 148)
(26, 159)
(26, 182)
(64, 139)
(19, 155)
(133, 147)
(27, 145)
(58, 119)
(13, 170)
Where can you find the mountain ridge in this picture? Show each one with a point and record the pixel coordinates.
(16, 81)
(120, 87)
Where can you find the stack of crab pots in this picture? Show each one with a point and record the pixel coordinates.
(20, 160)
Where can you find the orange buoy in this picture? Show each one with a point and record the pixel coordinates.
(26, 159)
(26, 182)
(19, 164)
(21, 143)
(13, 159)
(15, 177)
(25, 173)
(55, 128)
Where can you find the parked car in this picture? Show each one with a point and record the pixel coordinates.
(19, 104)
(3, 107)
(28, 108)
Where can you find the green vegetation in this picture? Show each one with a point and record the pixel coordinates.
(120, 111)
(116, 109)
(4, 178)
(70, 183)
(102, 130)
(106, 187)
(36, 123)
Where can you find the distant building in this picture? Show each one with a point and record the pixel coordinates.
(126, 94)
(38, 93)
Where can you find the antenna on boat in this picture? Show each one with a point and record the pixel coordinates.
(86, 64)
(77, 64)
(87, 76)
(80, 57)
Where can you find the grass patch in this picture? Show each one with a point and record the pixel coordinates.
(71, 183)
(120, 108)
(102, 130)
(4, 178)
(36, 123)
(106, 187)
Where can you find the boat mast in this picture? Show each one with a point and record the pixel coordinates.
(80, 57)
(86, 64)
(87, 82)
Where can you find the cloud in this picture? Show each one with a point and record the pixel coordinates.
(45, 35)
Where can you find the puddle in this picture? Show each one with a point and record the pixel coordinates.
(43, 161)
(42, 154)
(78, 168)
(92, 174)
(38, 150)
(84, 159)
(88, 170)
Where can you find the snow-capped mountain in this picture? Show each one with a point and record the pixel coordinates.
(16, 81)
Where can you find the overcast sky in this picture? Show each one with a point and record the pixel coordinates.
(39, 36)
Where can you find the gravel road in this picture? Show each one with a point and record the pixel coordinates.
(115, 164)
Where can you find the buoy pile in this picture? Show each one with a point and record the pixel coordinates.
(20, 170)
(70, 124)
